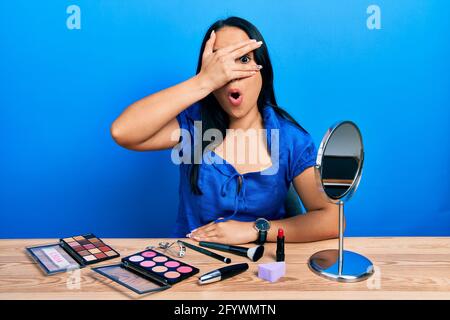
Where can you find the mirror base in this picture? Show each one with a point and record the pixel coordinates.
(355, 267)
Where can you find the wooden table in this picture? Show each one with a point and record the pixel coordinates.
(405, 268)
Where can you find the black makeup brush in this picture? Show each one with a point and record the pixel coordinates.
(207, 252)
(253, 253)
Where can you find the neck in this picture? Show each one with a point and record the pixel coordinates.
(252, 119)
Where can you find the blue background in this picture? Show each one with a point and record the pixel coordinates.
(62, 174)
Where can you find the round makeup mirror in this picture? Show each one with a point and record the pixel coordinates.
(338, 171)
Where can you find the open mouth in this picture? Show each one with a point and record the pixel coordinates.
(235, 97)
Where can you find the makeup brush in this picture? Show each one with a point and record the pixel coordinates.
(253, 253)
(206, 252)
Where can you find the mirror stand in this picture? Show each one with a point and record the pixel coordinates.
(341, 265)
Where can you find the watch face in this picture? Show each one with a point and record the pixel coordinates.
(262, 224)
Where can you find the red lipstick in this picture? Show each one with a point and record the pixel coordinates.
(280, 245)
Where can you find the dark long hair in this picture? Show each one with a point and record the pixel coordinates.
(212, 114)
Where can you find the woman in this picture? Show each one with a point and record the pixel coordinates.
(232, 201)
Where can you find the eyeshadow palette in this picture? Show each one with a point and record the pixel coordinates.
(71, 253)
(88, 249)
(148, 271)
(155, 264)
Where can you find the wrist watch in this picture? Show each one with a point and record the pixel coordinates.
(262, 226)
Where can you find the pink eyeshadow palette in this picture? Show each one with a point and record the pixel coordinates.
(148, 271)
(155, 264)
(70, 253)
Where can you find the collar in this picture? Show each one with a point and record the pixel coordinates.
(270, 121)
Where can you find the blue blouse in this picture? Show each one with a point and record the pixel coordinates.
(260, 194)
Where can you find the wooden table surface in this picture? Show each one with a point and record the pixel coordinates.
(405, 268)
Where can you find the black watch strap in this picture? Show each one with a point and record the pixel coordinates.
(262, 237)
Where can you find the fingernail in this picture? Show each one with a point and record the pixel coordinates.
(188, 235)
(212, 32)
(260, 42)
(194, 230)
(259, 66)
(253, 40)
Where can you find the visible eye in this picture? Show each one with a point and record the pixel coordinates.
(245, 59)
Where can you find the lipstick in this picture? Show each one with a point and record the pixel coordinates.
(280, 245)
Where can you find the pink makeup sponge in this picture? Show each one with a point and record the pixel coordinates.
(271, 271)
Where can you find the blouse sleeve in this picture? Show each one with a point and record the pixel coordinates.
(303, 153)
(186, 119)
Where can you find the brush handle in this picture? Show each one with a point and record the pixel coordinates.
(206, 252)
(240, 251)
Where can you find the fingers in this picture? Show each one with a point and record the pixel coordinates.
(209, 44)
(200, 229)
(209, 239)
(235, 46)
(205, 235)
(207, 231)
(243, 74)
(239, 52)
(247, 67)
(208, 228)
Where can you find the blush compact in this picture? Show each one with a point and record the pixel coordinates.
(147, 271)
(71, 253)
